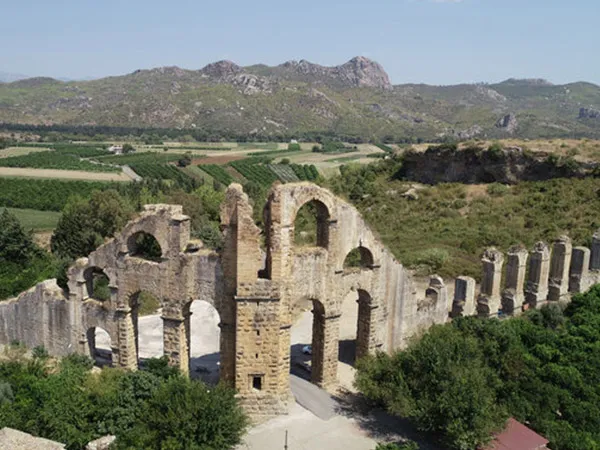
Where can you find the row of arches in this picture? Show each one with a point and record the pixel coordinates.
(203, 337)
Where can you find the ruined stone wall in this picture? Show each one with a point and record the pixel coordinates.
(40, 316)
(531, 279)
(259, 277)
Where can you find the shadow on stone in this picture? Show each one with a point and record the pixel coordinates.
(380, 425)
(347, 351)
(300, 363)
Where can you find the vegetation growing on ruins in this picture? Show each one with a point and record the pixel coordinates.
(445, 228)
(154, 408)
(463, 379)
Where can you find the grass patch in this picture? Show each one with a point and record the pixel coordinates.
(32, 219)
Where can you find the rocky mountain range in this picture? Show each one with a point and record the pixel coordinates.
(352, 99)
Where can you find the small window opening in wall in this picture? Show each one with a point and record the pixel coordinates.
(257, 382)
(256, 356)
(258, 332)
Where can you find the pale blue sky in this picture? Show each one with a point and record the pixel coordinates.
(430, 41)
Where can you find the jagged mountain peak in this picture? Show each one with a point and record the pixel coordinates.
(358, 72)
(221, 69)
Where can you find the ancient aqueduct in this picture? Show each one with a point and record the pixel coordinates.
(254, 291)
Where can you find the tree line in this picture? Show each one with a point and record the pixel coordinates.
(462, 380)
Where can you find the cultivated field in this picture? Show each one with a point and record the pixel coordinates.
(19, 172)
(20, 151)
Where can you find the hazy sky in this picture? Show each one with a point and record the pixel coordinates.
(430, 41)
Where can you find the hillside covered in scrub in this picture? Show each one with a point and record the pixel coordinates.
(302, 99)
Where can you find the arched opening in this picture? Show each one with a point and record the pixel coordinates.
(307, 340)
(311, 225)
(144, 245)
(355, 332)
(358, 259)
(147, 326)
(97, 284)
(204, 341)
(100, 346)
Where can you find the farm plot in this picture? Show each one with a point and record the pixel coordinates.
(258, 170)
(44, 195)
(21, 151)
(218, 173)
(253, 170)
(66, 157)
(284, 172)
(152, 165)
(18, 172)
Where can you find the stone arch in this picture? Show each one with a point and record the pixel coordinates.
(357, 336)
(142, 244)
(100, 346)
(97, 284)
(145, 303)
(204, 349)
(358, 258)
(322, 217)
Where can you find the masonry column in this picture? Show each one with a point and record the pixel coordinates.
(464, 297)
(489, 302)
(366, 336)
(227, 350)
(126, 357)
(513, 296)
(579, 280)
(325, 349)
(560, 262)
(536, 292)
(175, 338)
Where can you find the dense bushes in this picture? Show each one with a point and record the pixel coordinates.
(462, 379)
(157, 408)
(22, 262)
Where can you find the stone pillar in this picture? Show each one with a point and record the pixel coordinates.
(175, 342)
(366, 338)
(558, 285)
(513, 296)
(325, 349)
(536, 292)
(579, 272)
(126, 340)
(595, 256)
(227, 354)
(489, 301)
(464, 297)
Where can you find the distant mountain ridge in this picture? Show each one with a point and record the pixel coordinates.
(353, 99)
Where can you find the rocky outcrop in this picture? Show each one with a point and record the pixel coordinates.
(473, 165)
(358, 72)
(230, 73)
(221, 69)
(589, 113)
(509, 123)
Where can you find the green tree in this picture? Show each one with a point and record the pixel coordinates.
(186, 415)
(128, 148)
(85, 224)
